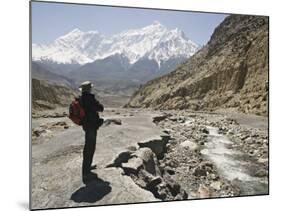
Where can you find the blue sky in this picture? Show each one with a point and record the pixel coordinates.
(51, 20)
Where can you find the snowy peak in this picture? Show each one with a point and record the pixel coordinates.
(78, 39)
(154, 42)
(156, 25)
(75, 32)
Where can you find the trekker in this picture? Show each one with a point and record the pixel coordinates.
(90, 123)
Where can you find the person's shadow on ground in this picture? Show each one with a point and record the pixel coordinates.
(94, 190)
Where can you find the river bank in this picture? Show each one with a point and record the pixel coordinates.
(145, 155)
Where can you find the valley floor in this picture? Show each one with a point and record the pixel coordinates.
(145, 155)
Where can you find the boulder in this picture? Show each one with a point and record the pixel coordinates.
(157, 145)
(132, 166)
(122, 157)
(160, 118)
(150, 163)
(189, 144)
(112, 121)
(154, 182)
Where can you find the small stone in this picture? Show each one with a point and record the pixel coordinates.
(160, 118)
(162, 195)
(259, 142)
(216, 185)
(167, 131)
(201, 143)
(36, 133)
(263, 160)
(207, 164)
(168, 146)
(251, 152)
(60, 124)
(244, 137)
(169, 170)
(204, 192)
(230, 132)
(173, 119)
(191, 145)
(199, 172)
(132, 148)
(181, 119)
(112, 121)
(204, 130)
(261, 173)
(249, 140)
(212, 176)
(203, 169)
(178, 197)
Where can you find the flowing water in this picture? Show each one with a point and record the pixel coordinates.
(233, 165)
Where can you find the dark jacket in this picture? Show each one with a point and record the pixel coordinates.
(91, 106)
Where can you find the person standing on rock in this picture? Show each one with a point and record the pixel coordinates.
(90, 123)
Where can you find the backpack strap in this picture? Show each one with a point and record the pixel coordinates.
(81, 100)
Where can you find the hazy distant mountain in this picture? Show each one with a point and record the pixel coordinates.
(42, 72)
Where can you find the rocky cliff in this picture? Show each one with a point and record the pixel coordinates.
(48, 96)
(231, 71)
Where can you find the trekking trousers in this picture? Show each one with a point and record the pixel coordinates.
(89, 150)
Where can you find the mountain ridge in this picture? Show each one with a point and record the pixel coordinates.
(230, 72)
(41, 72)
(151, 42)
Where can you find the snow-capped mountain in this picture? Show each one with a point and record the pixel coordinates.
(70, 48)
(153, 42)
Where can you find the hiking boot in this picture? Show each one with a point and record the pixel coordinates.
(94, 167)
(89, 177)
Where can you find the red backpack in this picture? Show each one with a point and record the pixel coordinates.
(76, 111)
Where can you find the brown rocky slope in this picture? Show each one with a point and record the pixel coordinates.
(231, 71)
(47, 95)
